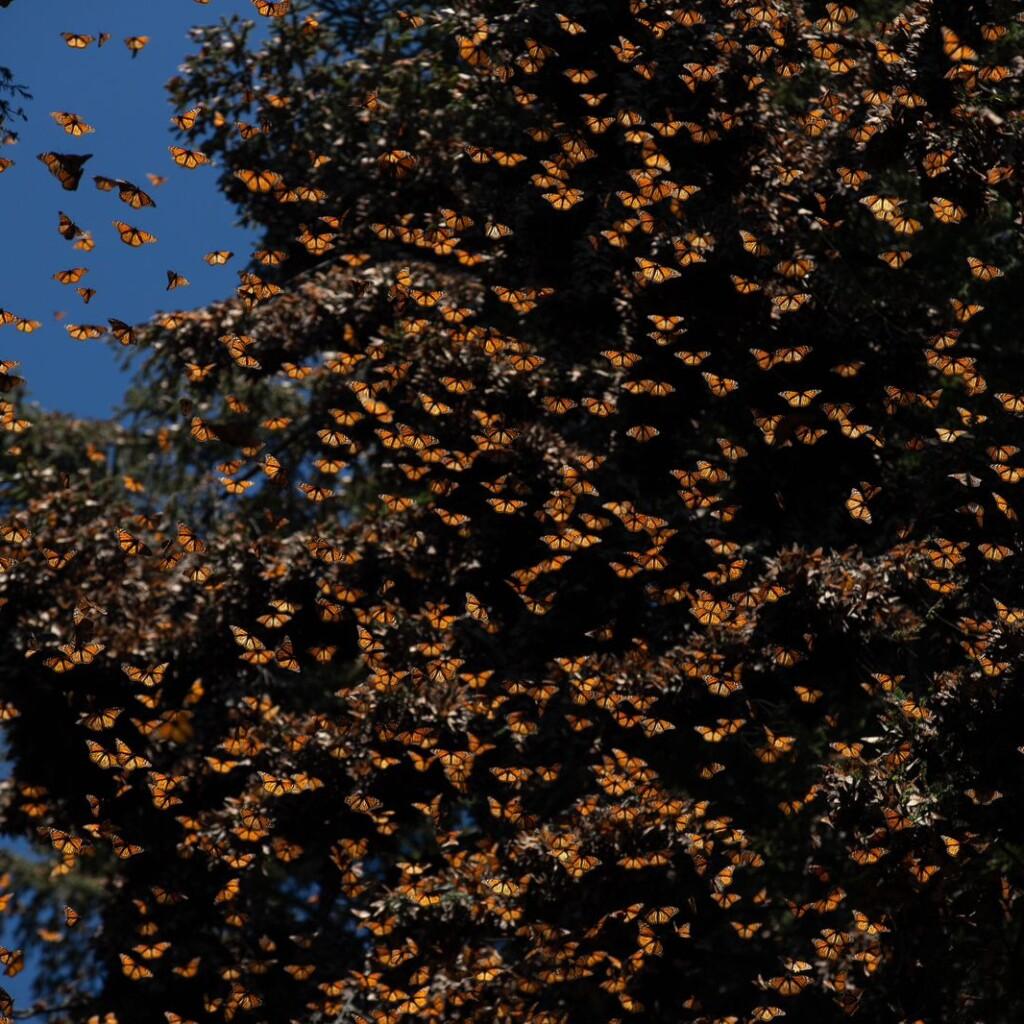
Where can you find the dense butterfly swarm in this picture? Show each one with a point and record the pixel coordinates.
(617, 614)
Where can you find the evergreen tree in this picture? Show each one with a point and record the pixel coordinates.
(574, 578)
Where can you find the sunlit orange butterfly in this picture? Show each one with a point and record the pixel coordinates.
(85, 332)
(76, 40)
(190, 158)
(983, 271)
(136, 44)
(72, 123)
(272, 8)
(260, 181)
(133, 236)
(71, 276)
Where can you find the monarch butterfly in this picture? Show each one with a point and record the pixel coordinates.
(124, 850)
(63, 842)
(314, 493)
(60, 663)
(798, 266)
(187, 121)
(71, 276)
(77, 41)
(895, 259)
(85, 332)
(399, 162)
(130, 544)
(995, 552)
(132, 970)
(752, 244)
(946, 211)
(800, 399)
(219, 257)
(964, 311)
(904, 225)
(271, 257)
(983, 271)
(133, 237)
(719, 386)
(791, 302)
(317, 243)
(129, 193)
(136, 44)
(882, 207)
(747, 930)
(564, 199)
(853, 177)
(856, 505)
(175, 280)
(100, 720)
(260, 181)
(654, 272)
(272, 8)
(72, 123)
(67, 168)
(235, 486)
(954, 49)
(121, 331)
(189, 158)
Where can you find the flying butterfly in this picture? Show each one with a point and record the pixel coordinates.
(71, 276)
(76, 40)
(857, 506)
(188, 158)
(67, 168)
(133, 195)
(136, 44)
(133, 237)
(72, 123)
(983, 271)
(260, 181)
(85, 332)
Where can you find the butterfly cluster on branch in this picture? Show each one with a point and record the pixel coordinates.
(575, 577)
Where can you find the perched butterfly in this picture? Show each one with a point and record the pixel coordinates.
(271, 9)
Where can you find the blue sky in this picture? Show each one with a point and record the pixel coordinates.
(124, 100)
